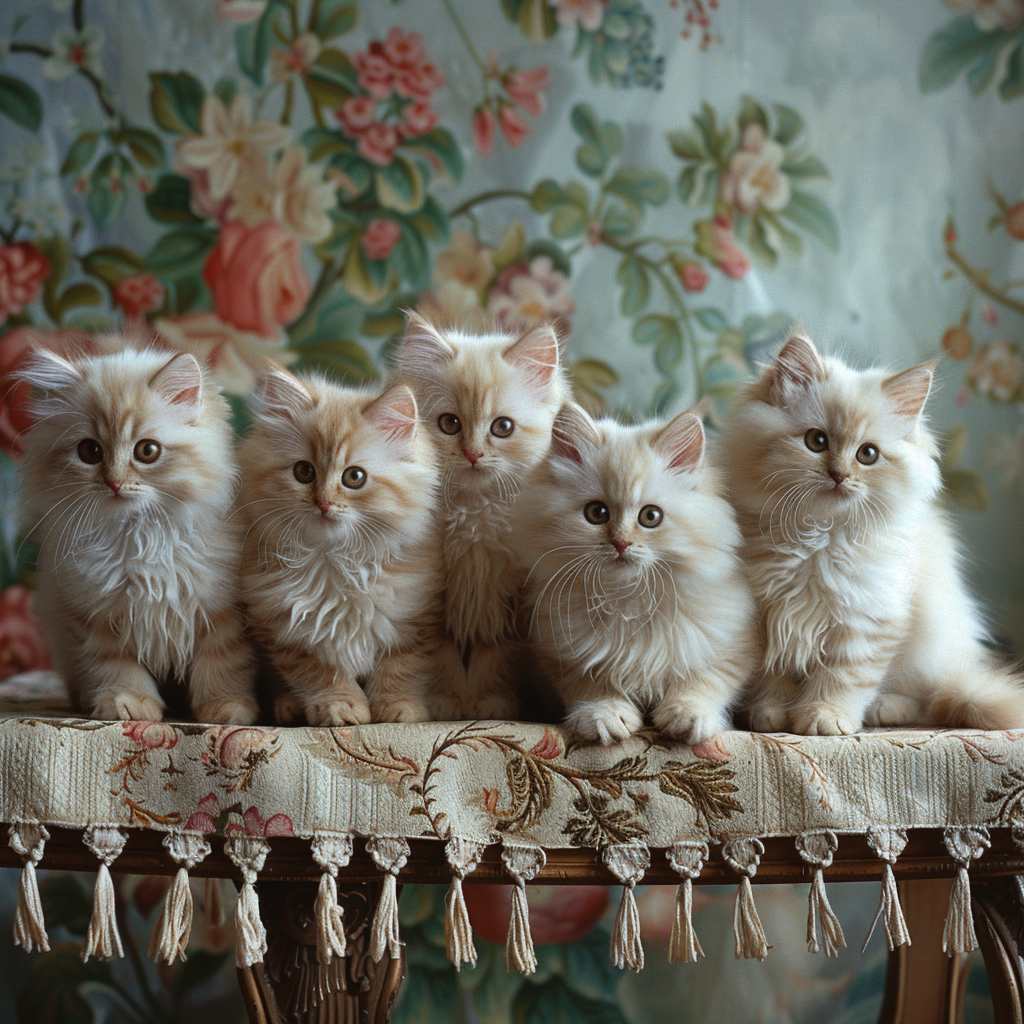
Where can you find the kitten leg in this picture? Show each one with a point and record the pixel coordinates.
(833, 700)
(124, 689)
(895, 709)
(451, 685)
(491, 683)
(398, 684)
(695, 707)
(770, 700)
(328, 695)
(222, 673)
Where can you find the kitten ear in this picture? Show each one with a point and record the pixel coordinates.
(574, 434)
(423, 348)
(278, 393)
(908, 390)
(179, 381)
(394, 414)
(682, 441)
(536, 353)
(797, 365)
(49, 372)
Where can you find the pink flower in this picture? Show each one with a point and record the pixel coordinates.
(356, 114)
(419, 82)
(203, 819)
(417, 119)
(376, 73)
(989, 314)
(483, 130)
(256, 277)
(138, 294)
(513, 126)
(151, 735)
(379, 142)
(716, 241)
(379, 238)
(232, 745)
(22, 644)
(547, 746)
(587, 13)
(277, 825)
(200, 198)
(526, 88)
(523, 295)
(23, 268)
(403, 49)
(692, 276)
(997, 371)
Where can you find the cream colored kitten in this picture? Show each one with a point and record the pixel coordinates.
(489, 401)
(635, 594)
(129, 477)
(853, 563)
(341, 567)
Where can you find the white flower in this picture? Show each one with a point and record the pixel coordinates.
(524, 295)
(753, 178)
(231, 140)
(466, 261)
(996, 371)
(587, 13)
(74, 51)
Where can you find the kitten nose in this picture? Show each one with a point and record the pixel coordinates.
(472, 456)
(323, 506)
(837, 476)
(621, 545)
(113, 485)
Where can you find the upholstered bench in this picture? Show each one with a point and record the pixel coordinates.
(320, 827)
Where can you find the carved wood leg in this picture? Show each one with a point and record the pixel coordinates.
(999, 923)
(922, 984)
(291, 987)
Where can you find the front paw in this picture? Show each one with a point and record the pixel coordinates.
(766, 718)
(682, 721)
(823, 720)
(227, 711)
(492, 707)
(445, 709)
(129, 706)
(354, 710)
(607, 721)
(287, 709)
(895, 709)
(400, 709)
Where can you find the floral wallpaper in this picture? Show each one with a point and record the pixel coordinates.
(679, 179)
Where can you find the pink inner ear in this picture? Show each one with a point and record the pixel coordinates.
(536, 352)
(394, 413)
(683, 439)
(572, 431)
(180, 381)
(798, 361)
(909, 390)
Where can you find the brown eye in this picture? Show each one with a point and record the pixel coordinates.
(596, 512)
(867, 454)
(304, 472)
(354, 477)
(816, 439)
(147, 450)
(89, 451)
(650, 516)
(449, 423)
(502, 427)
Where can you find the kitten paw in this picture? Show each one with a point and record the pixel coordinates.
(494, 707)
(766, 718)
(681, 721)
(895, 709)
(445, 709)
(607, 721)
(226, 711)
(823, 721)
(343, 711)
(400, 709)
(129, 706)
(287, 710)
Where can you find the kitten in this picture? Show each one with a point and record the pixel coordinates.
(853, 563)
(129, 475)
(341, 566)
(635, 593)
(488, 401)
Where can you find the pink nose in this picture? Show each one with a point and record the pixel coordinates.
(472, 456)
(621, 545)
(115, 487)
(323, 506)
(837, 476)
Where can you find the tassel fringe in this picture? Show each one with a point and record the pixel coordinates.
(889, 844)
(248, 854)
(27, 840)
(523, 863)
(687, 859)
(332, 851)
(102, 939)
(743, 856)
(628, 862)
(964, 845)
(463, 856)
(170, 936)
(817, 849)
(390, 855)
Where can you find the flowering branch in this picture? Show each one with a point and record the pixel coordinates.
(980, 280)
(45, 51)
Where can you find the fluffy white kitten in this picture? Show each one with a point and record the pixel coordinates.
(129, 477)
(635, 594)
(489, 401)
(853, 562)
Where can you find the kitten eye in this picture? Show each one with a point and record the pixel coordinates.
(502, 427)
(304, 472)
(650, 516)
(354, 477)
(90, 452)
(147, 450)
(867, 454)
(816, 439)
(596, 512)
(449, 423)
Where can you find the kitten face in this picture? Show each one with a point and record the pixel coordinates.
(487, 400)
(126, 435)
(326, 465)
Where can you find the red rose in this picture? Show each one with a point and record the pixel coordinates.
(419, 82)
(417, 119)
(356, 114)
(403, 49)
(138, 294)
(23, 268)
(379, 238)
(22, 645)
(256, 277)
(376, 73)
(558, 913)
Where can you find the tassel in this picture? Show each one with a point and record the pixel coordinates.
(463, 857)
(817, 849)
(889, 843)
(687, 859)
(27, 839)
(390, 854)
(170, 936)
(332, 851)
(213, 902)
(627, 862)
(964, 845)
(248, 854)
(523, 863)
(743, 856)
(102, 939)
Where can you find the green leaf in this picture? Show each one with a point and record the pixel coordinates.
(342, 358)
(953, 445)
(431, 220)
(103, 202)
(52, 991)
(331, 78)
(112, 264)
(805, 166)
(21, 103)
(84, 293)
(687, 183)
(186, 291)
(578, 194)
(181, 251)
(686, 146)
(707, 126)
(542, 247)
(636, 285)
(80, 155)
(546, 195)
(710, 319)
(965, 488)
(439, 148)
(169, 201)
(400, 185)
(320, 142)
(952, 49)
(635, 186)
(334, 18)
(811, 214)
(146, 146)
(252, 43)
(555, 1003)
(620, 220)
(788, 124)
(584, 122)
(225, 89)
(568, 221)
(656, 329)
(591, 159)
(535, 18)
(55, 249)
(594, 373)
(980, 74)
(423, 988)
(175, 99)
(751, 112)
(1012, 84)
(410, 258)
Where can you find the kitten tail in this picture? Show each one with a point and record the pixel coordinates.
(992, 698)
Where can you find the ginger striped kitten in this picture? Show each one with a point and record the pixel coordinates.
(635, 594)
(129, 476)
(341, 566)
(853, 562)
(488, 401)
